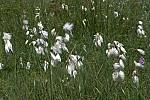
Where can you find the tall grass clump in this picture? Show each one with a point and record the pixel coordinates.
(74, 49)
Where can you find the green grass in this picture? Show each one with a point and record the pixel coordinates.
(94, 79)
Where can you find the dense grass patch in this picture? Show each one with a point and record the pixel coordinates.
(94, 79)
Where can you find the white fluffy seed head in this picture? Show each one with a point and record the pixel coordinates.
(7, 36)
(116, 43)
(138, 64)
(113, 52)
(8, 46)
(134, 72)
(45, 34)
(40, 25)
(59, 38)
(118, 76)
(1, 66)
(28, 65)
(140, 27)
(135, 80)
(116, 66)
(64, 6)
(142, 52)
(45, 65)
(123, 50)
(115, 76)
(67, 37)
(84, 8)
(98, 40)
(140, 22)
(109, 45)
(68, 26)
(121, 75)
(122, 56)
(121, 63)
(26, 42)
(53, 32)
(25, 22)
(116, 14)
(74, 73)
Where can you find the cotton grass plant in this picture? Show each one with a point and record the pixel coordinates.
(57, 49)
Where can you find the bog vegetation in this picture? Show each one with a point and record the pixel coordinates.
(74, 49)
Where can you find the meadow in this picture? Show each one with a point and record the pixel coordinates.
(22, 72)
